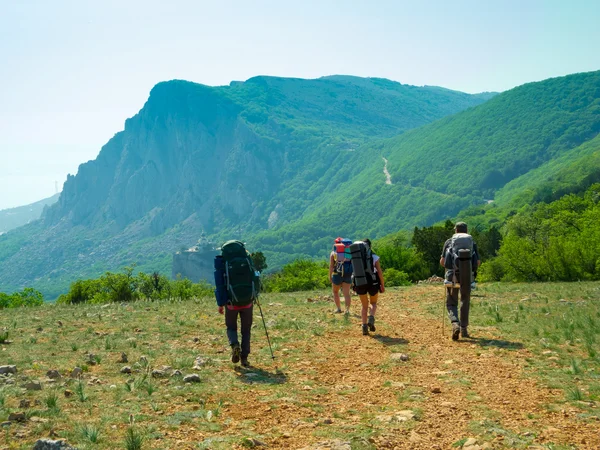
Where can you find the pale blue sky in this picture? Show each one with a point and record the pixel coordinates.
(71, 72)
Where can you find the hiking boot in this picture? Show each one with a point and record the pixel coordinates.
(371, 323)
(464, 333)
(365, 330)
(455, 331)
(245, 362)
(347, 313)
(235, 353)
(473, 286)
(337, 311)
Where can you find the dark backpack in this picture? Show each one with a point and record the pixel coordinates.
(241, 281)
(362, 264)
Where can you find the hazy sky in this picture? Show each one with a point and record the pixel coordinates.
(71, 72)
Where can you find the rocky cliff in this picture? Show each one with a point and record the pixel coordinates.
(228, 161)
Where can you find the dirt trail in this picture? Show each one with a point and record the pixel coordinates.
(450, 386)
(388, 177)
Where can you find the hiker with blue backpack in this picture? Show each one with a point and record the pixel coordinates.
(237, 287)
(340, 273)
(460, 241)
(367, 281)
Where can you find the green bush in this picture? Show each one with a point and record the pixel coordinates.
(154, 286)
(492, 270)
(27, 297)
(202, 289)
(125, 287)
(81, 291)
(395, 254)
(559, 241)
(395, 277)
(299, 275)
(4, 300)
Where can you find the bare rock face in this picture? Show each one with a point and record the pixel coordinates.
(194, 264)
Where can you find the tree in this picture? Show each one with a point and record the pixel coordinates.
(259, 260)
(429, 241)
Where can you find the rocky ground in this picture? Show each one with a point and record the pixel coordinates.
(407, 385)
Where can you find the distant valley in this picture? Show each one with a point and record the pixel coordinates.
(11, 218)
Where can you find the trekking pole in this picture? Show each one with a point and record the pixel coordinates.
(266, 332)
(443, 311)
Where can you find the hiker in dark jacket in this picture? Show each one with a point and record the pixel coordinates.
(458, 326)
(231, 314)
(237, 288)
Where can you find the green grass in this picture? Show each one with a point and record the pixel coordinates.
(160, 406)
(557, 323)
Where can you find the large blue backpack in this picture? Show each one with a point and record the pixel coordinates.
(237, 282)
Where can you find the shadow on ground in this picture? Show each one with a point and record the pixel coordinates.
(389, 341)
(509, 345)
(254, 375)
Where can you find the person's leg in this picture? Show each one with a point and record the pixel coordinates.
(347, 296)
(364, 300)
(246, 316)
(335, 288)
(232, 335)
(452, 308)
(465, 305)
(372, 311)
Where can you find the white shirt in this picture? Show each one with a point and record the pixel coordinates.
(375, 259)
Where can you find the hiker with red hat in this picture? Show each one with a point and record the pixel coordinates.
(340, 272)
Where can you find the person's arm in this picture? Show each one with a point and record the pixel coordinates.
(477, 253)
(331, 266)
(380, 274)
(443, 257)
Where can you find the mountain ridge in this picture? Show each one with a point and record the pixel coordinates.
(227, 160)
(11, 218)
(288, 165)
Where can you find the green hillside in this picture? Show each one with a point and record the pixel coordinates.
(517, 147)
(228, 161)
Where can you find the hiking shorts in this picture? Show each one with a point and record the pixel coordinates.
(338, 279)
(371, 289)
(370, 298)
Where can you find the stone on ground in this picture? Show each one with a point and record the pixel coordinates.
(193, 378)
(48, 444)
(8, 369)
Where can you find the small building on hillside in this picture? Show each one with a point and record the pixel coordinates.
(196, 263)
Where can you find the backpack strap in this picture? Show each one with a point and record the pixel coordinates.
(253, 270)
(229, 288)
